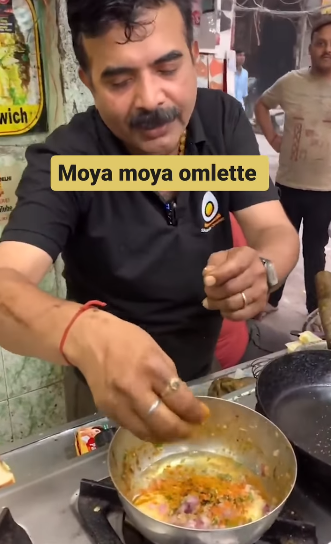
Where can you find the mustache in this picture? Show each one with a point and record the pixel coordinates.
(149, 120)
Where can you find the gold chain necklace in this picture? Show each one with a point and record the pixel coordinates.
(182, 144)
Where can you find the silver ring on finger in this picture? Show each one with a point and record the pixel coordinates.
(244, 300)
(154, 407)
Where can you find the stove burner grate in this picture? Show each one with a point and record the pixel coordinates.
(288, 530)
(10, 531)
(98, 499)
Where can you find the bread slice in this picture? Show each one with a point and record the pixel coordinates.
(6, 475)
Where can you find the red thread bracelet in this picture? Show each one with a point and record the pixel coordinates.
(87, 306)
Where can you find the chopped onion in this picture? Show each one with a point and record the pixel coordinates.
(189, 505)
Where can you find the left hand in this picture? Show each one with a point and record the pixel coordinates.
(236, 284)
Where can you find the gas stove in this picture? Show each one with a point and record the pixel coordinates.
(99, 509)
(304, 520)
(43, 513)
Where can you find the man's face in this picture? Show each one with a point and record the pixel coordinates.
(145, 90)
(240, 59)
(320, 50)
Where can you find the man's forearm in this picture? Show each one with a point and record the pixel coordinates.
(281, 246)
(32, 322)
(263, 119)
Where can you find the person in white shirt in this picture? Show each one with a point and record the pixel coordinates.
(241, 78)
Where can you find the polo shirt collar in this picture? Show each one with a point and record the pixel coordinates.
(195, 128)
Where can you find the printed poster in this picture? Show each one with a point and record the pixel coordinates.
(7, 20)
(9, 180)
(21, 85)
(196, 16)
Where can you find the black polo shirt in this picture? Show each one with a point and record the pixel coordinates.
(119, 247)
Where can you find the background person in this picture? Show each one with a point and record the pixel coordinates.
(241, 78)
(304, 174)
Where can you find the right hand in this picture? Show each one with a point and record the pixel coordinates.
(276, 143)
(127, 372)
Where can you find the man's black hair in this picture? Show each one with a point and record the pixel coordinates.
(93, 18)
(240, 52)
(321, 23)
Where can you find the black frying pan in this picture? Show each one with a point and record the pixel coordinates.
(294, 392)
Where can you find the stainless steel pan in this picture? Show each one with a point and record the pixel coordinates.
(231, 430)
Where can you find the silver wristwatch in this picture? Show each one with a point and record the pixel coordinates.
(272, 278)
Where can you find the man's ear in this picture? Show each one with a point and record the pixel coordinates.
(85, 79)
(195, 51)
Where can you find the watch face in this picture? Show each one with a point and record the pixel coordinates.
(272, 277)
(271, 274)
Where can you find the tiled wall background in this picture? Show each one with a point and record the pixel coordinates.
(31, 391)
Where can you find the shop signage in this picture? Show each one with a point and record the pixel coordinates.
(21, 87)
(9, 179)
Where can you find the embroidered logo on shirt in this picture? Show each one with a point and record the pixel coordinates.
(209, 210)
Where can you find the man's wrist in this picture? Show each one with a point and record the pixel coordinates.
(78, 336)
(83, 344)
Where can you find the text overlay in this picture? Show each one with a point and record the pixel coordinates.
(162, 173)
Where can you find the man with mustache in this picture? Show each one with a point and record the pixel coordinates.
(304, 174)
(163, 264)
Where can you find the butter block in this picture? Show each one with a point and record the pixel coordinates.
(308, 337)
(6, 476)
